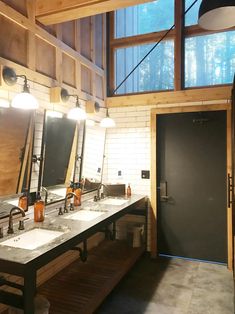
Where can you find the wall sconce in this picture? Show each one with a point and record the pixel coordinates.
(216, 14)
(106, 122)
(23, 100)
(76, 113)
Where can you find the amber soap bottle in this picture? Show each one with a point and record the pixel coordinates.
(128, 190)
(39, 209)
(78, 192)
(23, 201)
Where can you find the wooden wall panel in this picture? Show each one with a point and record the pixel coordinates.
(13, 43)
(68, 70)
(99, 40)
(85, 37)
(45, 58)
(68, 33)
(18, 5)
(51, 29)
(99, 87)
(86, 84)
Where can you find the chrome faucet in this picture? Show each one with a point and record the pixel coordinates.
(46, 194)
(67, 196)
(10, 229)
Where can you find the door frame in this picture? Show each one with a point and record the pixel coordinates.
(153, 198)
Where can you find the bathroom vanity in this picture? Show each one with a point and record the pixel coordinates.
(23, 253)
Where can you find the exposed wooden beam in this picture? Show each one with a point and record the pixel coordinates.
(53, 12)
(184, 96)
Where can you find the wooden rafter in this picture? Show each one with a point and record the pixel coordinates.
(53, 12)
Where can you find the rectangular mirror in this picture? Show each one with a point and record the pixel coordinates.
(93, 156)
(16, 144)
(62, 149)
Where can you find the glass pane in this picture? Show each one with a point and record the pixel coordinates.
(210, 60)
(191, 18)
(144, 18)
(155, 73)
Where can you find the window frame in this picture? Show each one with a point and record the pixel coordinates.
(178, 34)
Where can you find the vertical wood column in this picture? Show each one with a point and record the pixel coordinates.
(31, 45)
(78, 49)
(93, 56)
(58, 60)
(104, 52)
(111, 75)
(179, 45)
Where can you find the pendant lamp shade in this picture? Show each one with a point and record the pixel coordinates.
(216, 14)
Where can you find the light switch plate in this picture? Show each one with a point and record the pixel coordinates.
(145, 174)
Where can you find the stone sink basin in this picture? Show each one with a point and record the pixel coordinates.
(113, 201)
(32, 239)
(84, 215)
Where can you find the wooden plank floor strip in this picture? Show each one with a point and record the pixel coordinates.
(81, 287)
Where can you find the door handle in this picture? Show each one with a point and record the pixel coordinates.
(230, 189)
(163, 191)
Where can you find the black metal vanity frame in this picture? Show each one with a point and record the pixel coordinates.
(28, 271)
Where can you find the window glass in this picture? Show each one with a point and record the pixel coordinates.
(210, 59)
(155, 73)
(144, 18)
(191, 18)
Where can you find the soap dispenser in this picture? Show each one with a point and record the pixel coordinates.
(39, 209)
(78, 192)
(128, 190)
(23, 201)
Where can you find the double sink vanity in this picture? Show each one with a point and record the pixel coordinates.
(26, 251)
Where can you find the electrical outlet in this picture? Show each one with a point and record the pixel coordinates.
(119, 173)
(99, 170)
(145, 174)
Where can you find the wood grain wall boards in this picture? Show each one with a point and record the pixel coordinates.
(86, 83)
(41, 52)
(68, 70)
(99, 86)
(18, 5)
(52, 12)
(171, 97)
(13, 43)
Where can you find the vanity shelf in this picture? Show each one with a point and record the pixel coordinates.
(82, 287)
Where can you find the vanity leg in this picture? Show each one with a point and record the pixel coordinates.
(29, 292)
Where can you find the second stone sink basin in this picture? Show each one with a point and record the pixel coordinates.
(84, 215)
(32, 239)
(114, 201)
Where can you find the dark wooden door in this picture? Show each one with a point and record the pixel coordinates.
(192, 177)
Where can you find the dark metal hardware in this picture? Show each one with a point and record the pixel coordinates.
(71, 207)
(10, 229)
(230, 190)
(21, 224)
(60, 211)
(36, 158)
(163, 192)
(82, 252)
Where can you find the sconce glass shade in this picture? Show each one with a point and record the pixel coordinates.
(4, 103)
(24, 101)
(107, 122)
(76, 114)
(216, 14)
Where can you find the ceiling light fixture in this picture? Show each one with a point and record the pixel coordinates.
(23, 100)
(216, 14)
(106, 122)
(76, 113)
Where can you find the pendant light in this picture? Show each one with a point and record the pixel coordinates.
(23, 100)
(76, 113)
(216, 14)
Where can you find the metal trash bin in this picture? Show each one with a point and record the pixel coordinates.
(42, 306)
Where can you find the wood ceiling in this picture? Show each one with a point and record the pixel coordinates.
(58, 11)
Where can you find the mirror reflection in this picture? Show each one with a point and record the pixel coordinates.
(16, 134)
(93, 156)
(62, 141)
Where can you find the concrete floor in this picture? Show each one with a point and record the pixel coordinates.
(172, 286)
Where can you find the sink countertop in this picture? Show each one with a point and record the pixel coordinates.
(75, 231)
